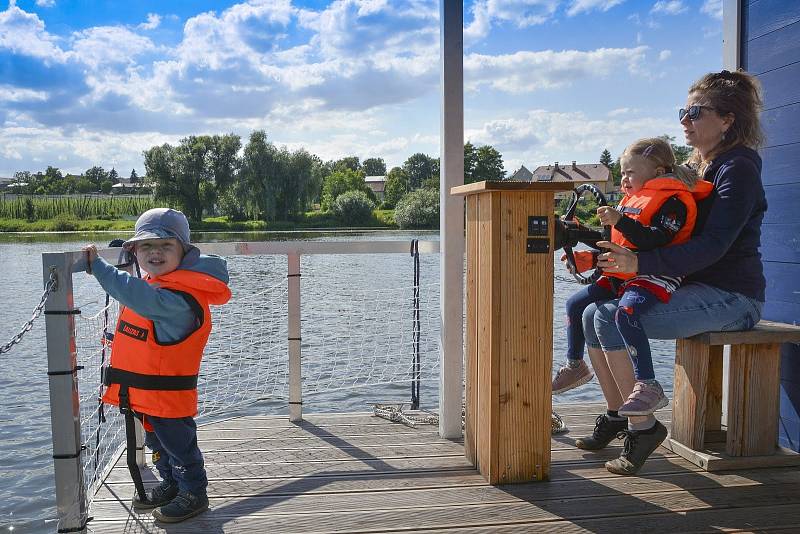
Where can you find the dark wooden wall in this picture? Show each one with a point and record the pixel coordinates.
(771, 51)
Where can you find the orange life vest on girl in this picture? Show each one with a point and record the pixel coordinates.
(641, 206)
(167, 370)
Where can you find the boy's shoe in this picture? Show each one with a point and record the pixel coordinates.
(638, 447)
(605, 430)
(645, 399)
(182, 507)
(571, 377)
(157, 496)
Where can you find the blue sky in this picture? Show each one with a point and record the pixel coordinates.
(86, 83)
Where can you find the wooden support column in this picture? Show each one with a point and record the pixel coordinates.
(753, 384)
(509, 338)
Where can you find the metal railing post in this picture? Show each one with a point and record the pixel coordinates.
(295, 388)
(141, 457)
(62, 368)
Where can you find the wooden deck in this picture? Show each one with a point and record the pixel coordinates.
(355, 473)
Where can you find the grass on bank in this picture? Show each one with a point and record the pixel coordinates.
(309, 220)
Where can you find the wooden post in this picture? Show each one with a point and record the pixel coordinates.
(509, 328)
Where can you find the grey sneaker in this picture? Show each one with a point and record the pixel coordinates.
(605, 430)
(638, 447)
(645, 399)
(182, 507)
(157, 496)
(571, 377)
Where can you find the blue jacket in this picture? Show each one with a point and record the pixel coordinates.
(171, 315)
(723, 251)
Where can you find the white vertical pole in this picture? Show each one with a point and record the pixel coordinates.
(65, 421)
(451, 218)
(731, 34)
(141, 458)
(295, 390)
(731, 60)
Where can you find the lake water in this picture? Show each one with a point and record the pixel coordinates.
(27, 496)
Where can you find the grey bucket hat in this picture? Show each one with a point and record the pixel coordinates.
(161, 223)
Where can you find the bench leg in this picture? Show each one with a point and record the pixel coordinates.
(753, 386)
(691, 392)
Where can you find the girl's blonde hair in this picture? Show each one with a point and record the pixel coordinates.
(739, 94)
(658, 151)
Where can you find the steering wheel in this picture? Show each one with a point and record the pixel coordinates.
(569, 231)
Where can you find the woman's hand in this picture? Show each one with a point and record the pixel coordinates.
(608, 215)
(618, 259)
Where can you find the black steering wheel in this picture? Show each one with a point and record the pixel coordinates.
(569, 231)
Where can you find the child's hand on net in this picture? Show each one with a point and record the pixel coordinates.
(608, 215)
(91, 255)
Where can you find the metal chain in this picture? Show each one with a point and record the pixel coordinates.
(52, 285)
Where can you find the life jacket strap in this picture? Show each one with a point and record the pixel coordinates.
(149, 382)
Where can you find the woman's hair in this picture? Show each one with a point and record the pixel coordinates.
(737, 93)
(659, 153)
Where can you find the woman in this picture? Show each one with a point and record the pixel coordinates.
(724, 284)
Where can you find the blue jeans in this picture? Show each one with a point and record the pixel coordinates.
(576, 305)
(694, 308)
(176, 454)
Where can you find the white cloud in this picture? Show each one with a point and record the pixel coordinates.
(525, 71)
(24, 33)
(621, 112)
(45, 3)
(153, 21)
(541, 137)
(664, 55)
(104, 45)
(713, 8)
(669, 7)
(586, 6)
(520, 13)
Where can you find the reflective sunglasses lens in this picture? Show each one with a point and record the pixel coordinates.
(694, 112)
(681, 114)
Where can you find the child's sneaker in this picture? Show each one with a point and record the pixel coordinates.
(157, 496)
(571, 377)
(605, 430)
(182, 507)
(645, 399)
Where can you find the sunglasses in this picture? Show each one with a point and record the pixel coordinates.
(693, 112)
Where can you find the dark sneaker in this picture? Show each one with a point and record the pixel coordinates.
(638, 447)
(568, 378)
(158, 496)
(182, 507)
(605, 430)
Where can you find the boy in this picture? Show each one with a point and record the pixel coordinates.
(163, 327)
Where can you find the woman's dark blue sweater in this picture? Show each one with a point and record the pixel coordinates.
(723, 252)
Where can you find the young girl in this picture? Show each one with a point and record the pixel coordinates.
(658, 210)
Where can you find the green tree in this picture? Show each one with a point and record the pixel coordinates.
(616, 172)
(96, 175)
(349, 162)
(396, 186)
(605, 158)
(488, 164)
(353, 207)
(470, 161)
(113, 176)
(134, 178)
(419, 167)
(260, 167)
(374, 167)
(682, 152)
(418, 209)
(339, 182)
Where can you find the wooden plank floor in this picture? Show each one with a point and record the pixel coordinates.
(354, 473)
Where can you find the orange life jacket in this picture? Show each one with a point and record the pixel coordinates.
(642, 205)
(166, 371)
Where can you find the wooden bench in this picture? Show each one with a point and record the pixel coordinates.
(751, 437)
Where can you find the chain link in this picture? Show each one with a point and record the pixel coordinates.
(52, 285)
